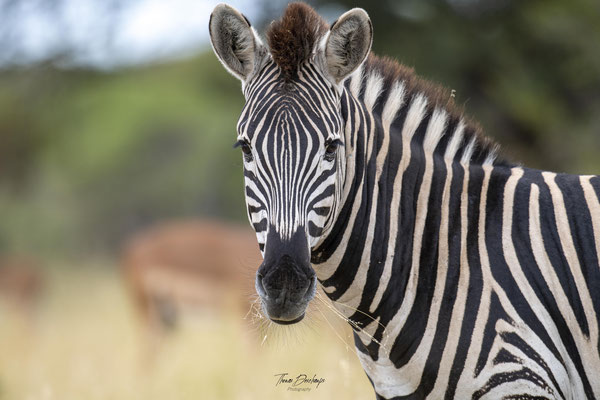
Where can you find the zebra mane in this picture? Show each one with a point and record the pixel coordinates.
(293, 37)
(481, 148)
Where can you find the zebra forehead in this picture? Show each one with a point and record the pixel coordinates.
(291, 127)
(289, 112)
(293, 37)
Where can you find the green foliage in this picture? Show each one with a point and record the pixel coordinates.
(87, 157)
(110, 153)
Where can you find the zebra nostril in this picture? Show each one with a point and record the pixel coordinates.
(260, 288)
(309, 292)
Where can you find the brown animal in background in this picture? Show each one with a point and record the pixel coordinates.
(21, 282)
(204, 265)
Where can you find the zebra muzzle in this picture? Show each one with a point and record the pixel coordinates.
(285, 297)
(285, 281)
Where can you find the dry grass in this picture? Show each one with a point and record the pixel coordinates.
(84, 342)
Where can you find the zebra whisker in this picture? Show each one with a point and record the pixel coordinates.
(358, 311)
(333, 329)
(352, 323)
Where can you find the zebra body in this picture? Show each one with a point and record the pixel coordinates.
(458, 254)
(462, 276)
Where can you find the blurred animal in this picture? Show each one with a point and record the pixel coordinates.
(205, 266)
(21, 282)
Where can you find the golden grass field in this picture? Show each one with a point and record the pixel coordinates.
(84, 341)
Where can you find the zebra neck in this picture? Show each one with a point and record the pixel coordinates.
(400, 152)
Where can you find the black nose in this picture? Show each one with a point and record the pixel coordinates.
(286, 282)
(285, 288)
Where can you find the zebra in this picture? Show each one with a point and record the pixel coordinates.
(462, 274)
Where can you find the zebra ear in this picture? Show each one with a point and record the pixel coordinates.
(233, 40)
(348, 43)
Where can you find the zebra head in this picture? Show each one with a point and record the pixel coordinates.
(291, 133)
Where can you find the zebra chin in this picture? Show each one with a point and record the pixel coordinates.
(285, 281)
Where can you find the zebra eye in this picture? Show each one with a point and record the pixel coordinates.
(331, 147)
(245, 149)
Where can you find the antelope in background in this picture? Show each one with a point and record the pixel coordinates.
(205, 266)
(21, 282)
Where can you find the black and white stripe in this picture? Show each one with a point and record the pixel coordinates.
(484, 275)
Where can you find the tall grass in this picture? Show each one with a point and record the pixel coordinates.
(85, 342)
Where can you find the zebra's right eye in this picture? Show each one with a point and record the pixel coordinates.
(245, 149)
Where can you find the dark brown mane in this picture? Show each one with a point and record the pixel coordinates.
(437, 96)
(292, 38)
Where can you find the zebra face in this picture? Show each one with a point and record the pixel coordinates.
(291, 136)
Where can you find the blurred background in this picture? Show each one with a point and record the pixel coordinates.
(116, 132)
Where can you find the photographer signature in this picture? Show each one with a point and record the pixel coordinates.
(300, 382)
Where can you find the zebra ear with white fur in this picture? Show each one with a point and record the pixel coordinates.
(348, 43)
(233, 41)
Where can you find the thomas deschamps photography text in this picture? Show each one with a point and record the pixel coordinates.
(299, 382)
